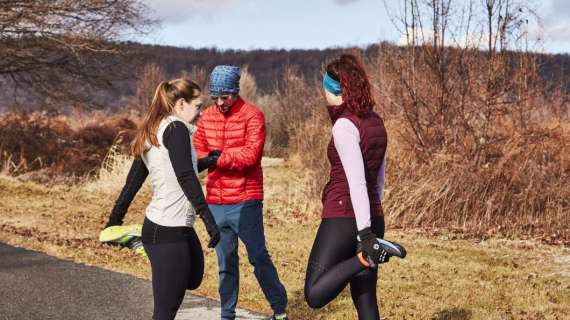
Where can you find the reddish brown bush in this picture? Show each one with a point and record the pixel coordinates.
(63, 145)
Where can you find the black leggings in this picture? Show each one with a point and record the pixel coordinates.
(333, 264)
(177, 265)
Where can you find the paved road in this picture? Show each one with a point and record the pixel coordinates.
(34, 286)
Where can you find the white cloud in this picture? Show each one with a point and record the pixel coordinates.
(551, 31)
(561, 8)
(343, 2)
(555, 23)
(178, 11)
(559, 32)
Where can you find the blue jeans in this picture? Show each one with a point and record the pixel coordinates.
(244, 220)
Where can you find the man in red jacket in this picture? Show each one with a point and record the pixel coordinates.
(235, 188)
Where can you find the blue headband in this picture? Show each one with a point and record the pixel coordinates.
(331, 85)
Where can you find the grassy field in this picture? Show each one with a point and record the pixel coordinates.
(440, 279)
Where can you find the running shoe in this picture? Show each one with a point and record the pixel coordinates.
(117, 233)
(135, 244)
(126, 236)
(389, 249)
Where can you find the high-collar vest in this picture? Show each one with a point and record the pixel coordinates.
(373, 143)
(169, 205)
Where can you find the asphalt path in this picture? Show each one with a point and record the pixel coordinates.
(34, 285)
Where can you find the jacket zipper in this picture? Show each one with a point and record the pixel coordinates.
(223, 147)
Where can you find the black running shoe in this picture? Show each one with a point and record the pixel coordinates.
(389, 249)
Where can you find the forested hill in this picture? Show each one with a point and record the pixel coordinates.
(267, 66)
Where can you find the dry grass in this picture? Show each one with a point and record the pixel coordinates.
(440, 279)
(498, 173)
(112, 173)
(523, 193)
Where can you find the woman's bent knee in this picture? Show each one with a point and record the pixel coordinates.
(313, 300)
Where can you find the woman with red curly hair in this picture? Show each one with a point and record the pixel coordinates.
(348, 246)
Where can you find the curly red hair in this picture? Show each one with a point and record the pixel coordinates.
(356, 89)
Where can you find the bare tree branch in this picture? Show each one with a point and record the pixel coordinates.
(63, 49)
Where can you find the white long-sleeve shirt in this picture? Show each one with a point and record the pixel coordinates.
(347, 142)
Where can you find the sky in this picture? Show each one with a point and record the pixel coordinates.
(308, 24)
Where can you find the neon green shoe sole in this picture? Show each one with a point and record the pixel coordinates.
(120, 234)
(140, 251)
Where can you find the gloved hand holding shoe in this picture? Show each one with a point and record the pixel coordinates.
(373, 251)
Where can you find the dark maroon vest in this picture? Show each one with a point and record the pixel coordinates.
(373, 143)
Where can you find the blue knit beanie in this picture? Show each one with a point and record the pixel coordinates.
(224, 80)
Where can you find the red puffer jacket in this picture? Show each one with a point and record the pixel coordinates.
(240, 135)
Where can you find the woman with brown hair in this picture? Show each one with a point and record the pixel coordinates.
(163, 150)
(348, 246)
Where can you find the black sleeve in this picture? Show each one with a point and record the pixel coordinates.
(203, 164)
(176, 139)
(135, 179)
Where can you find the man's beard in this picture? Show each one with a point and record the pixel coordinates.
(224, 108)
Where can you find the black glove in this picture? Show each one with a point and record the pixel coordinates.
(213, 157)
(211, 227)
(209, 161)
(215, 153)
(373, 251)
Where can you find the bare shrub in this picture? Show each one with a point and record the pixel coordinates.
(61, 145)
(247, 85)
(523, 193)
(147, 83)
(476, 138)
(197, 75)
(293, 102)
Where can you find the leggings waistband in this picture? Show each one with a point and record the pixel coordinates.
(153, 233)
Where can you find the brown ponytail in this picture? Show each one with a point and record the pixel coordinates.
(165, 96)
